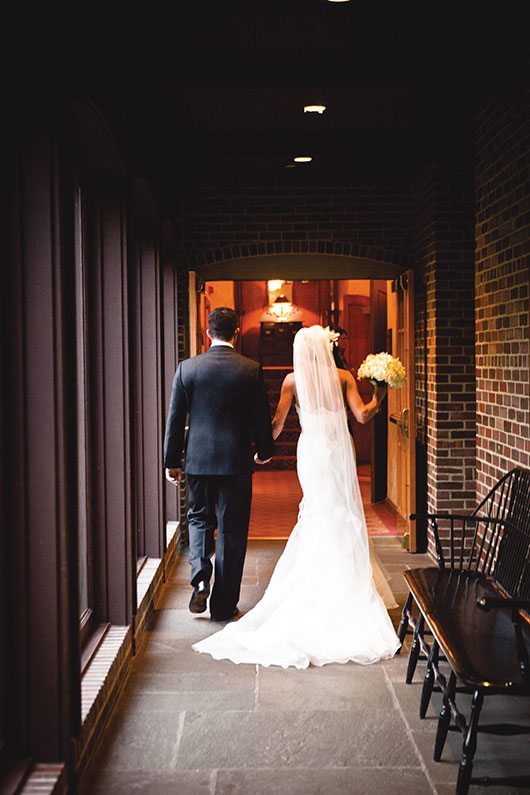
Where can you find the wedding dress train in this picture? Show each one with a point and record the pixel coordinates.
(322, 604)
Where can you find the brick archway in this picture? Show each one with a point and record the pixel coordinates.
(298, 259)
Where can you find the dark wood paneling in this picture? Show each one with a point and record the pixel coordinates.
(109, 412)
(148, 420)
(170, 359)
(44, 688)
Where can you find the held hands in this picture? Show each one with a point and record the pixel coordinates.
(174, 476)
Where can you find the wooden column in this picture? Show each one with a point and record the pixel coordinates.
(148, 395)
(170, 356)
(105, 204)
(43, 700)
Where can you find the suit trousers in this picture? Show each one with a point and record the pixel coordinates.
(219, 502)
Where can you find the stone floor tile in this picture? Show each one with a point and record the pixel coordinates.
(316, 739)
(342, 781)
(237, 678)
(174, 597)
(183, 782)
(209, 699)
(339, 687)
(145, 741)
(250, 596)
(183, 624)
(443, 772)
(408, 697)
(396, 669)
(175, 655)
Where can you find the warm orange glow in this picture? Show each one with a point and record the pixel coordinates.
(282, 307)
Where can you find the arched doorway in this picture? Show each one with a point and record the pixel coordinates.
(393, 445)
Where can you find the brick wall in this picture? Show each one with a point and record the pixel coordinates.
(425, 299)
(455, 341)
(445, 366)
(502, 188)
(424, 330)
(370, 215)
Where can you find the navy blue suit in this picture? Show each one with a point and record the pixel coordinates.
(224, 398)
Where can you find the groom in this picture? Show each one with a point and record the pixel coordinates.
(224, 397)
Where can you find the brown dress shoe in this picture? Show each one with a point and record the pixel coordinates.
(199, 597)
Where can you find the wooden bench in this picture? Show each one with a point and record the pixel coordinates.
(473, 613)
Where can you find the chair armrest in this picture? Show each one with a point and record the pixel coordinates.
(486, 603)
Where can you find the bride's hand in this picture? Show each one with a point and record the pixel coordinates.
(380, 391)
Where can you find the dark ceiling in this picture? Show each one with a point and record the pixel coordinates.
(216, 90)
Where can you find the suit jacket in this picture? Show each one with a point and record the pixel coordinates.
(224, 395)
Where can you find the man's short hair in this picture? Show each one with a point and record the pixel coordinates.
(223, 322)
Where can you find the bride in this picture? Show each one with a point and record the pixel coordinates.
(322, 604)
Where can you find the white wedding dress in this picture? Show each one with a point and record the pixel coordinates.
(322, 604)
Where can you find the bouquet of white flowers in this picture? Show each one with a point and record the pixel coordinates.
(382, 368)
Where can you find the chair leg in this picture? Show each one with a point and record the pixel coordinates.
(415, 650)
(445, 718)
(470, 745)
(404, 623)
(428, 681)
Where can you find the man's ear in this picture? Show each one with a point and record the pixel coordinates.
(208, 334)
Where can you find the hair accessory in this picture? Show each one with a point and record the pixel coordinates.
(333, 336)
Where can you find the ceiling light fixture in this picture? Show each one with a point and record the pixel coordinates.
(314, 109)
(302, 159)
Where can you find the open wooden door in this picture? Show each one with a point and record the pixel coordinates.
(356, 322)
(379, 424)
(401, 413)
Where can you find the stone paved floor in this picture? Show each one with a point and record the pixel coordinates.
(189, 724)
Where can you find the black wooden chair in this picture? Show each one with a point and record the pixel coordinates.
(508, 501)
(474, 605)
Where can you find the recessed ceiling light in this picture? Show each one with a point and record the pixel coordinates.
(314, 108)
(302, 159)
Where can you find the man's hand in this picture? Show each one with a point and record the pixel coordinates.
(174, 476)
(259, 461)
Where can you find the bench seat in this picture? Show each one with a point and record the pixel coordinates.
(480, 646)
